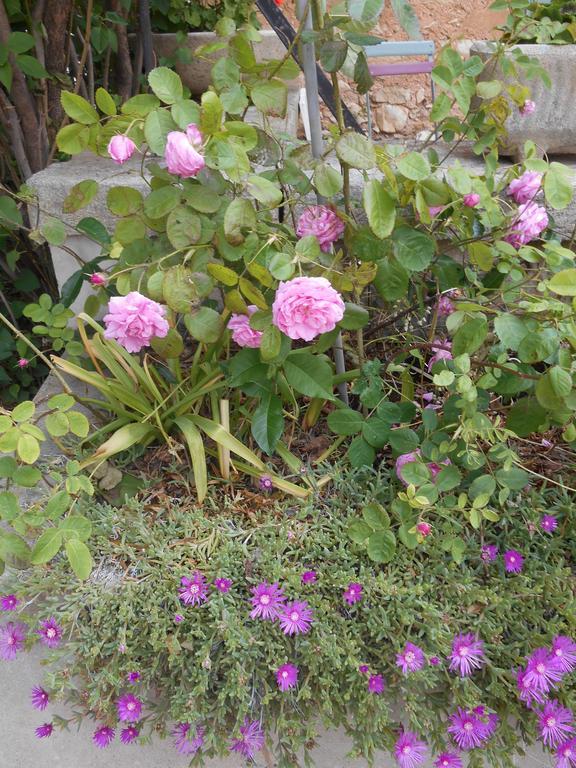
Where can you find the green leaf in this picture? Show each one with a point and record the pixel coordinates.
(366, 11)
(78, 424)
(140, 105)
(413, 249)
(202, 199)
(558, 186)
(212, 113)
(54, 231)
(183, 227)
(28, 449)
(76, 527)
(537, 346)
(281, 266)
(510, 330)
(470, 336)
(13, 545)
(376, 516)
(271, 343)
(404, 440)
(526, 416)
(47, 546)
(360, 453)
(124, 201)
(31, 67)
(185, 112)
(157, 126)
(57, 505)
(105, 102)
(355, 317)
(485, 485)
(391, 280)
(24, 411)
(204, 325)
(380, 208)
(266, 192)
(7, 466)
(310, 375)
(356, 151)
(57, 424)
(564, 283)
(407, 18)
(79, 558)
(20, 42)
(271, 97)
(166, 84)
(27, 477)
(197, 455)
(240, 218)
(333, 55)
(345, 421)
(78, 109)
(488, 89)
(80, 196)
(9, 211)
(9, 505)
(268, 423)
(327, 180)
(414, 166)
(225, 73)
(161, 201)
(382, 546)
(358, 531)
(73, 139)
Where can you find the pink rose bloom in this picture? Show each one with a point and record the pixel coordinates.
(182, 156)
(444, 306)
(402, 460)
(528, 108)
(525, 188)
(441, 350)
(436, 468)
(321, 222)
(242, 333)
(471, 200)
(424, 529)
(97, 279)
(121, 149)
(531, 221)
(306, 307)
(134, 320)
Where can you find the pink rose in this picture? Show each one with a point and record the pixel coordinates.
(525, 188)
(441, 350)
(527, 108)
(121, 148)
(98, 278)
(321, 222)
(134, 320)
(530, 222)
(242, 333)
(444, 306)
(424, 529)
(306, 307)
(471, 200)
(434, 210)
(181, 153)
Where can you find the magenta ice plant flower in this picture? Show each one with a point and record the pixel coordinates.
(306, 307)
(181, 154)
(250, 741)
(467, 729)
(434, 661)
(223, 585)
(103, 736)
(50, 632)
(548, 523)
(409, 750)
(188, 740)
(448, 760)
(266, 484)
(296, 618)
(44, 731)
(40, 698)
(513, 561)
(133, 677)
(121, 148)
(134, 320)
(321, 222)
(489, 553)
(193, 591)
(363, 669)
(129, 708)
(555, 724)
(566, 754)
(376, 684)
(543, 671)
(129, 734)
(287, 676)
(467, 654)
(12, 636)
(9, 602)
(353, 593)
(564, 650)
(527, 690)
(178, 618)
(242, 333)
(309, 577)
(267, 601)
(411, 659)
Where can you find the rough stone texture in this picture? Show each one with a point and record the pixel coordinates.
(391, 118)
(552, 127)
(196, 74)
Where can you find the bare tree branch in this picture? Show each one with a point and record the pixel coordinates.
(123, 70)
(56, 20)
(16, 138)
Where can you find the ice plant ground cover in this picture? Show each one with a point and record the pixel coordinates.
(465, 662)
(342, 395)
